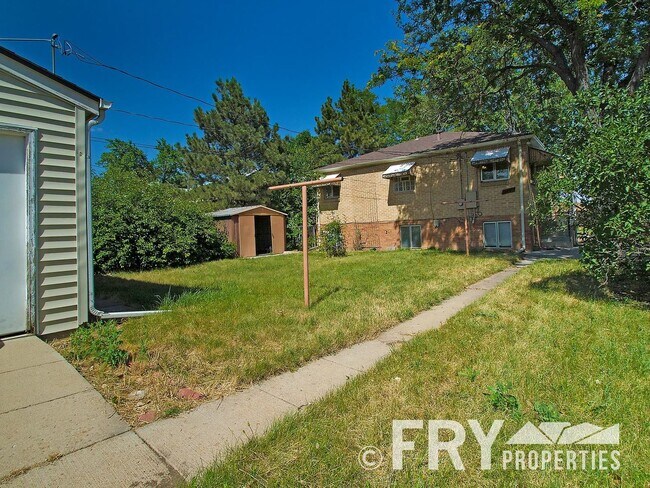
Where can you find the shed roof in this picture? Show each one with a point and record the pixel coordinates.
(230, 212)
(424, 145)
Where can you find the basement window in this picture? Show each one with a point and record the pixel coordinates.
(495, 171)
(404, 184)
(332, 192)
(410, 236)
(497, 235)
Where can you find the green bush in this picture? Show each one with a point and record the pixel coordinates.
(332, 240)
(613, 181)
(141, 224)
(101, 341)
(605, 168)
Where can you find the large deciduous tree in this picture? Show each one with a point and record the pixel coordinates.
(239, 153)
(580, 41)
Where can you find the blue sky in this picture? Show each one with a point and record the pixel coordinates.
(289, 55)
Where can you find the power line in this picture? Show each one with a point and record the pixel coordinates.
(81, 55)
(21, 39)
(138, 144)
(153, 117)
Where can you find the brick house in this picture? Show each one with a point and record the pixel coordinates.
(421, 193)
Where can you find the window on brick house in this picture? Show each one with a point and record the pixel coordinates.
(332, 192)
(495, 171)
(497, 235)
(410, 236)
(403, 184)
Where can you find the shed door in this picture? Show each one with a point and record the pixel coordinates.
(263, 239)
(13, 235)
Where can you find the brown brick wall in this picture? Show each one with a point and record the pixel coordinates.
(449, 235)
(368, 202)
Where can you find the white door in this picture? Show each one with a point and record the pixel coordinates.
(13, 234)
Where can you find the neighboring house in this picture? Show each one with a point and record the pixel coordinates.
(45, 276)
(255, 230)
(419, 194)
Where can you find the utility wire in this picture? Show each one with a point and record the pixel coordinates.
(81, 55)
(16, 39)
(153, 117)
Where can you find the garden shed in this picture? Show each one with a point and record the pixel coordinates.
(45, 249)
(255, 230)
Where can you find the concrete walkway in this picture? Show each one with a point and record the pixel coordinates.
(56, 430)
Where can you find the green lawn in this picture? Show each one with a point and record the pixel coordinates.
(235, 322)
(566, 351)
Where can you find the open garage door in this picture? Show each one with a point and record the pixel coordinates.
(13, 234)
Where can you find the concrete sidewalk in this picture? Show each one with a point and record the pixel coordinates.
(56, 430)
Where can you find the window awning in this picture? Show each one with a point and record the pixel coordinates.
(325, 179)
(490, 156)
(398, 170)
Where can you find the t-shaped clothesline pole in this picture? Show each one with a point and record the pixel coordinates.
(305, 244)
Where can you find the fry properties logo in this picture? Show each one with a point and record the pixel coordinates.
(561, 434)
(549, 446)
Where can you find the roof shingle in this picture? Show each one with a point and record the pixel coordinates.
(434, 142)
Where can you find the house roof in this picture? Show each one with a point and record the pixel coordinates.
(424, 145)
(230, 212)
(47, 73)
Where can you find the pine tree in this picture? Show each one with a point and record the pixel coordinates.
(240, 153)
(353, 124)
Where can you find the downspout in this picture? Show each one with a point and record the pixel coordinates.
(103, 107)
(521, 197)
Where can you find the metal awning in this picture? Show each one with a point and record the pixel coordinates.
(326, 180)
(490, 156)
(398, 170)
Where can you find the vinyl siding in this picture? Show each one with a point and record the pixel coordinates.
(58, 246)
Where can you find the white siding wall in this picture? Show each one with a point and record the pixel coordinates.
(57, 253)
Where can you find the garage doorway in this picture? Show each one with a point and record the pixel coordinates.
(263, 238)
(13, 238)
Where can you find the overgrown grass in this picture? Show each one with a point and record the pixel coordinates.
(545, 346)
(101, 342)
(235, 322)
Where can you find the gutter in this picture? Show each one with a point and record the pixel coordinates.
(521, 196)
(103, 107)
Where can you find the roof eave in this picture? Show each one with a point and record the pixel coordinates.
(38, 76)
(419, 155)
(243, 211)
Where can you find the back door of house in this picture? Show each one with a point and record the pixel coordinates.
(13, 234)
(263, 239)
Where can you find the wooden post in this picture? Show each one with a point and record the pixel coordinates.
(466, 228)
(305, 247)
(305, 237)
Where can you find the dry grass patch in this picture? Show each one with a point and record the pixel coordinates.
(235, 322)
